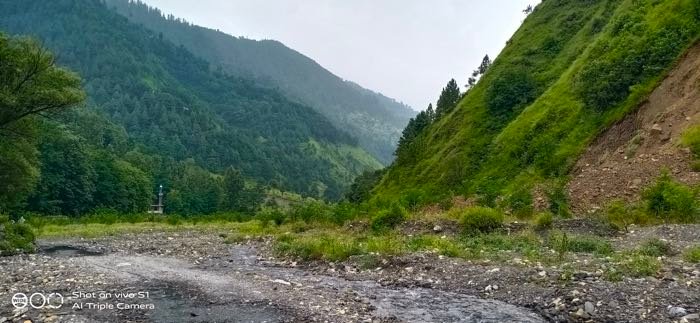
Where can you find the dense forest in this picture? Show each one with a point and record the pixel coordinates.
(152, 113)
(371, 117)
(564, 76)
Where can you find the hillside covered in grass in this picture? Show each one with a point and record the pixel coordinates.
(573, 69)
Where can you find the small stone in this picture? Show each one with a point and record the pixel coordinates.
(691, 317)
(437, 228)
(495, 270)
(581, 313)
(283, 282)
(613, 304)
(3, 319)
(675, 311)
(589, 308)
(542, 274)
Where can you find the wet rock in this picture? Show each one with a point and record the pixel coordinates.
(589, 308)
(676, 311)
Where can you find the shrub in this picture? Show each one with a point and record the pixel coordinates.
(671, 201)
(693, 254)
(475, 220)
(389, 219)
(412, 199)
(15, 237)
(312, 211)
(275, 215)
(620, 214)
(544, 221)
(656, 248)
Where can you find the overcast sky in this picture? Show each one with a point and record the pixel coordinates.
(405, 49)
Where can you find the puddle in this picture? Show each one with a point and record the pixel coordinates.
(68, 251)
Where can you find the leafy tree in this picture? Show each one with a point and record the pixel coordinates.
(238, 197)
(234, 184)
(121, 186)
(19, 166)
(362, 186)
(194, 191)
(448, 98)
(32, 84)
(66, 185)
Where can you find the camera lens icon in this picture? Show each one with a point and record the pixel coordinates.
(38, 300)
(20, 300)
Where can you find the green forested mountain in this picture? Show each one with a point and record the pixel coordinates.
(155, 104)
(572, 69)
(371, 117)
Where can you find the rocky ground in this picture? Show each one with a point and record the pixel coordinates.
(195, 277)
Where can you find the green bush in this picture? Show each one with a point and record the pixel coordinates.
(671, 201)
(475, 220)
(693, 254)
(544, 221)
(389, 219)
(15, 237)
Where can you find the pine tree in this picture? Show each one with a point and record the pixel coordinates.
(448, 98)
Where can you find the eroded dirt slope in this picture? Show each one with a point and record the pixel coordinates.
(632, 153)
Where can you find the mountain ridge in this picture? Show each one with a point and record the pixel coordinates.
(373, 118)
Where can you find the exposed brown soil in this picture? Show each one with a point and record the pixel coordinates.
(632, 153)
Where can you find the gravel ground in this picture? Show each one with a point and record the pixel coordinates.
(194, 277)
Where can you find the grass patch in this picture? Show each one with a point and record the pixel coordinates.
(692, 254)
(563, 243)
(638, 265)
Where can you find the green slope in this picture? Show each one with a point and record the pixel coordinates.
(573, 68)
(371, 117)
(172, 104)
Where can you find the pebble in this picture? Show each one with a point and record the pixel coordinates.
(3, 319)
(675, 311)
